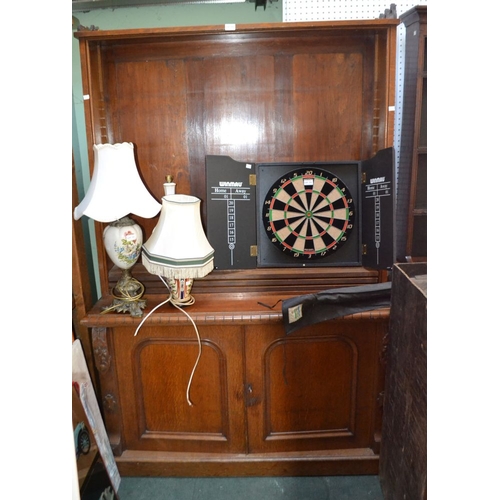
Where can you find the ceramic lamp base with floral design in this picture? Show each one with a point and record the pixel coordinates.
(123, 243)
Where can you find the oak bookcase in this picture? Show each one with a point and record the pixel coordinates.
(264, 403)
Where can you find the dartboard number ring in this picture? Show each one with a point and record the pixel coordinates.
(308, 213)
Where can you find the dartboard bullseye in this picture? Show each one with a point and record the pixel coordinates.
(308, 213)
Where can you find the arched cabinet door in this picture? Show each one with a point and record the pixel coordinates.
(154, 370)
(315, 389)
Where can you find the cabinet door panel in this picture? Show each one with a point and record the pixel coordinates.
(155, 368)
(313, 390)
(296, 403)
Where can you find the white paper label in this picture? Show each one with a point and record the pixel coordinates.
(294, 313)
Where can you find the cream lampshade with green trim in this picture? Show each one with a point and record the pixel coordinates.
(178, 248)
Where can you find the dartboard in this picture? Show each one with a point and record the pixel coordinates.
(308, 213)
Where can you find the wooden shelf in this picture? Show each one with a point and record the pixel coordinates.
(262, 281)
(210, 309)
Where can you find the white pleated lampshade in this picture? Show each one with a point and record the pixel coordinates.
(178, 246)
(116, 189)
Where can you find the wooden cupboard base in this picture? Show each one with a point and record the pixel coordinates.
(361, 461)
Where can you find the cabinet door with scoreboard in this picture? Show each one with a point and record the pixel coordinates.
(307, 214)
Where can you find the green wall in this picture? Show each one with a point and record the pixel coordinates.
(144, 17)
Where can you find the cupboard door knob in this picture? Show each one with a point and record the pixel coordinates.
(250, 401)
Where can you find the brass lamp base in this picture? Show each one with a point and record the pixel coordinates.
(127, 296)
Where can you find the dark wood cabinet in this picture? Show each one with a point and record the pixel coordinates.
(264, 403)
(412, 202)
(403, 456)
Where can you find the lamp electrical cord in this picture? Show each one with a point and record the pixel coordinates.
(125, 296)
(169, 299)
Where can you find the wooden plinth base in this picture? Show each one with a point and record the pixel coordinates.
(341, 462)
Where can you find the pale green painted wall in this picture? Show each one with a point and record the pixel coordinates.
(180, 15)
(145, 17)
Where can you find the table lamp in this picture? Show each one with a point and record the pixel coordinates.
(115, 191)
(178, 248)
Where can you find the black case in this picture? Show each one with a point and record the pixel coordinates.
(235, 196)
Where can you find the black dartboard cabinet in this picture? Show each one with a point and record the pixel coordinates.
(301, 214)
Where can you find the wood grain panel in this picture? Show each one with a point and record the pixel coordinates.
(315, 389)
(149, 109)
(154, 368)
(328, 103)
(104, 355)
(238, 105)
(298, 96)
(230, 106)
(403, 454)
(320, 463)
(163, 371)
(310, 399)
